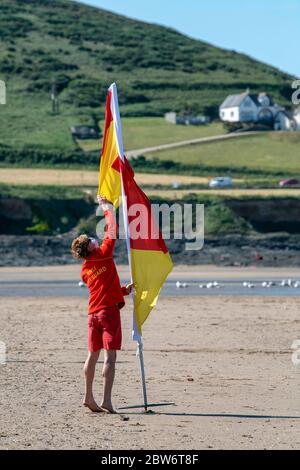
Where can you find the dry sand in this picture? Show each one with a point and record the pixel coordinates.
(224, 361)
(90, 179)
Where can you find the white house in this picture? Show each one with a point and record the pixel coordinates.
(250, 108)
(239, 108)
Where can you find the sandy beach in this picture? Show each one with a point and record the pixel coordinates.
(225, 361)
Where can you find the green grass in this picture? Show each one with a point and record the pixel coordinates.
(151, 131)
(259, 160)
(31, 123)
(148, 132)
(273, 153)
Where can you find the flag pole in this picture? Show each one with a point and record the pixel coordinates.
(141, 356)
(135, 332)
(140, 346)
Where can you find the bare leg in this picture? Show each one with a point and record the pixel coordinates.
(108, 374)
(89, 373)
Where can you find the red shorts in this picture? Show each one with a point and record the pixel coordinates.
(104, 329)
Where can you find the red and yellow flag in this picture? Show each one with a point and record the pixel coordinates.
(149, 259)
(109, 177)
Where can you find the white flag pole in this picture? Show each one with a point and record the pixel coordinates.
(136, 336)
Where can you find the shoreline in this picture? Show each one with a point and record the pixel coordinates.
(70, 271)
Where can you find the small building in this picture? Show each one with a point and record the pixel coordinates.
(85, 132)
(250, 108)
(174, 118)
(239, 108)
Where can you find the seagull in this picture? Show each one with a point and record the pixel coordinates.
(81, 284)
(181, 284)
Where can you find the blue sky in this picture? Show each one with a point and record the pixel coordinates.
(267, 30)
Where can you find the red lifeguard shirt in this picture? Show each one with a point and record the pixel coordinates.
(99, 271)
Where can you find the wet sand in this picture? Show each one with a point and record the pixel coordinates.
(181, 272)
(225, 361)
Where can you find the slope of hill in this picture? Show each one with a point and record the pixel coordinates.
(84, 49)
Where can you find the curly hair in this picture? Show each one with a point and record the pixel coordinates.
(80, 247)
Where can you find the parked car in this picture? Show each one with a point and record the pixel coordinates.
(221, 182)
(289, 182)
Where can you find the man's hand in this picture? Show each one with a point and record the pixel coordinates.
(104, 203)
(129, 288)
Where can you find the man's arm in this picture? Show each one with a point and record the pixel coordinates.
(108, 244)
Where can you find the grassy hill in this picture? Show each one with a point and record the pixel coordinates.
(84, 49)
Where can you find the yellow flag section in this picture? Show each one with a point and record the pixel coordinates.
(149, 271)
(109, 178)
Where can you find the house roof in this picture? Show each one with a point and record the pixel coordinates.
(235, 100)
(289, 114)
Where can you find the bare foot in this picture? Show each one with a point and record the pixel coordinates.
(92, 405)
(108, 409)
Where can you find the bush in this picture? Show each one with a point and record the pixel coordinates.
(39, 226)
(220, 219)
(45, 84)
(14, 26)
(36, 156)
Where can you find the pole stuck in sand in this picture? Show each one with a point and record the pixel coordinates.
(146, 405)
(140, 353)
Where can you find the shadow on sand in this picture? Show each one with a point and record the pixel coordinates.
(213, 415)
